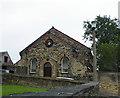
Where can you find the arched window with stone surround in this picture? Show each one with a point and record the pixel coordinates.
(64, 64)
(33, 65)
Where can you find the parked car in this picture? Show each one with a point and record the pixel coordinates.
(4, 71)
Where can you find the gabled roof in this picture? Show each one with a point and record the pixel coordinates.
(56, 34)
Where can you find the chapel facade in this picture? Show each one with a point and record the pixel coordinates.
(55, 54)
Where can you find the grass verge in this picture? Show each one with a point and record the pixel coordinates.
(12, 89)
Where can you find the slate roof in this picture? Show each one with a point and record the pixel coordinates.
(59, 35)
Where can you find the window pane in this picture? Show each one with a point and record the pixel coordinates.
(65, 63)
(33, 65)
(5, 59)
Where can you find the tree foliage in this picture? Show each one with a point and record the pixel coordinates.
(108, 57)
(107, 35)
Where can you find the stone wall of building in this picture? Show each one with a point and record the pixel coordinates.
(78, 56)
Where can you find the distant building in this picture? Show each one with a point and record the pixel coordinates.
(55, 54)
(5, 59)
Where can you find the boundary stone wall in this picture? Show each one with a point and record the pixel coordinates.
(36, 81)
(110, 82)
(66, 88)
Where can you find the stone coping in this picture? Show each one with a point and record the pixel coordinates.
(43, 78)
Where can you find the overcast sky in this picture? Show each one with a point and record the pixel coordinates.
(23, 21)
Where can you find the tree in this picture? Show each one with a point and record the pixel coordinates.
(108, 57)
(107, 35)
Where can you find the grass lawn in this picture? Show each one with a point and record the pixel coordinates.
(11, 89)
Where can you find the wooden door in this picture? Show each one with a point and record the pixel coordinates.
(47, 70)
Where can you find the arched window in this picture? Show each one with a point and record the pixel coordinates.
(33, 64)
(64, 65)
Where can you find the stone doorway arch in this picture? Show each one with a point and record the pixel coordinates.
(47, 70)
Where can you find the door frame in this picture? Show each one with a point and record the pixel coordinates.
(47, 69)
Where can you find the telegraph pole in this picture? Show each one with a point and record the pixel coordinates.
(94, 58)
(95, 76)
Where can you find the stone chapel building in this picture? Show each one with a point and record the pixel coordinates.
(55, 54)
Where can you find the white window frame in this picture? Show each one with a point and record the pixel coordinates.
(62, 66)
(31, 65)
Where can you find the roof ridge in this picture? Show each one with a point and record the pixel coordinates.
(50, 30)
